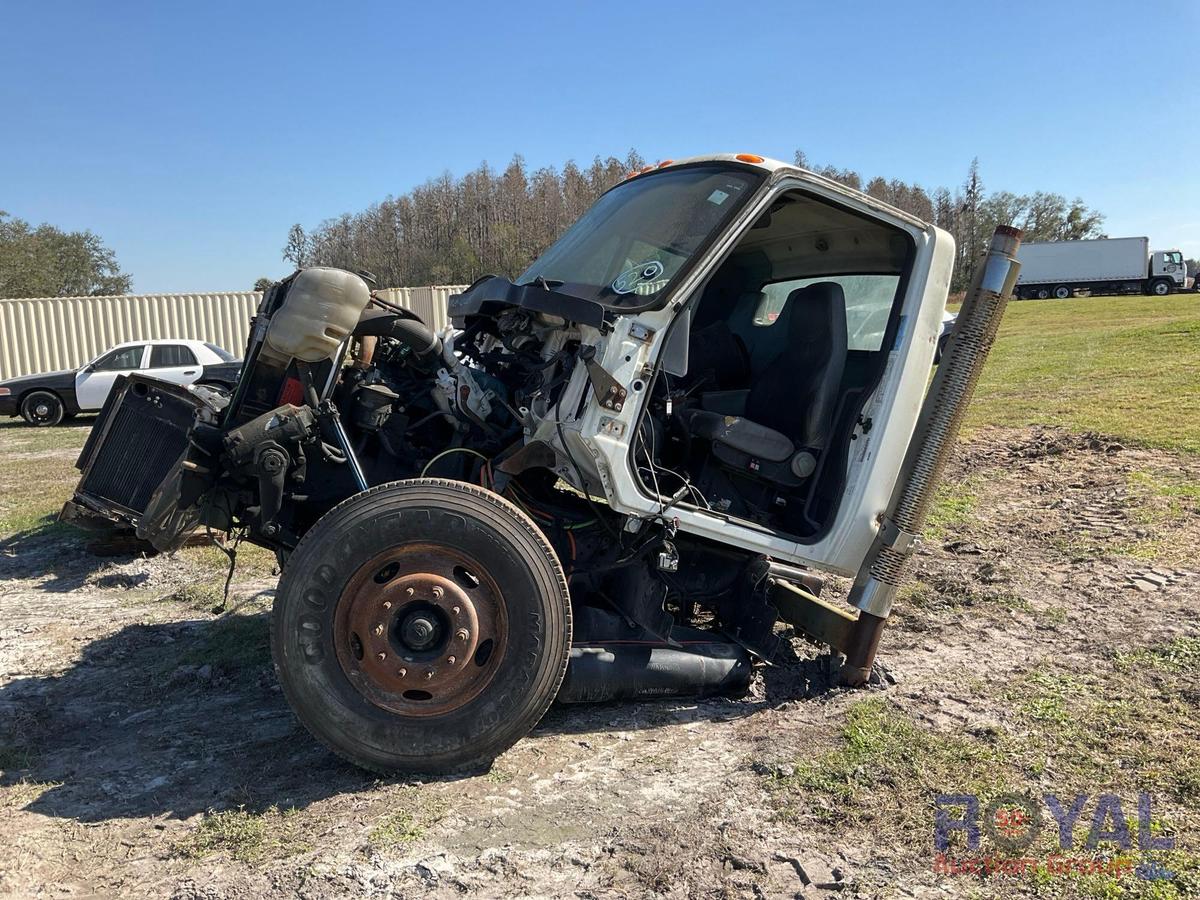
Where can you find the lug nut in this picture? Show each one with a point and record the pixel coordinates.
(378, 629)
(450, 660)
(402, 672)
(409, 591)
(387, 604)
(462, 634)
(429, 674)
(456, 610)
(437, 592)
(381, 656)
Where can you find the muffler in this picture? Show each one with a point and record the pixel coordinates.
(883, 568)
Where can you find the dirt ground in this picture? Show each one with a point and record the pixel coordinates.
(1048, 642)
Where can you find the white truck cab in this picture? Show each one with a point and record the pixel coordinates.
(1169, 263)
(611, 477)
(893, 272)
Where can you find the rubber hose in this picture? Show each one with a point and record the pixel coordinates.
(416, 335)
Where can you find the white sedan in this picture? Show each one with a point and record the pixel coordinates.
(48, 399)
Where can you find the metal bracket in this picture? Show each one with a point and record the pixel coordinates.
(611, 426)
(893, 536)
(608, 390)
(639, 332)
(819, 620)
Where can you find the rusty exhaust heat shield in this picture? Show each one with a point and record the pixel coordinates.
(884, 566)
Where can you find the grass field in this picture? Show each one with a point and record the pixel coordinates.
(1124, 366)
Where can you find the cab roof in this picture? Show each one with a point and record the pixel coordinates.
(776, 167)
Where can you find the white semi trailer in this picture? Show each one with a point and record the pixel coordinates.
(1104, 266)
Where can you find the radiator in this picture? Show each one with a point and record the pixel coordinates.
(141, 433)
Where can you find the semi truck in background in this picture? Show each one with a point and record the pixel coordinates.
(1102, 266)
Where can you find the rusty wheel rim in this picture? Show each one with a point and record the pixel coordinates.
(421, 630)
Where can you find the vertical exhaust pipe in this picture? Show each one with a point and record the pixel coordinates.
(884, 566)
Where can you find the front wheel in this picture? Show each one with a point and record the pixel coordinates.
(421, 626)
(1161, 288)
(42, 408)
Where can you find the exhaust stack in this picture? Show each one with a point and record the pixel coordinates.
(884, 566)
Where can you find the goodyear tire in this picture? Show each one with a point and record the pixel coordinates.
(421, 626)
(42, 408)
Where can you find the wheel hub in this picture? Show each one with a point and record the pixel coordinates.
(420, 630)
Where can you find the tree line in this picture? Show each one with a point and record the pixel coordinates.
(452, 230)
(45, 261)
(971, 214)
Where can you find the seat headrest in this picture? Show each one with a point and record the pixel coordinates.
(817, 314)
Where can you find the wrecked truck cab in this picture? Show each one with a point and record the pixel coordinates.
(608, 480)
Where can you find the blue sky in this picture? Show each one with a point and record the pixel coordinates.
(191, 136)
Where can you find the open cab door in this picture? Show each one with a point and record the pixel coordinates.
(788, 368)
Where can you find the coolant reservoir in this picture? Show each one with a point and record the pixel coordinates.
(321, 309)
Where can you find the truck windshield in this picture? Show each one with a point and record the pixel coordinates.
(641, 234)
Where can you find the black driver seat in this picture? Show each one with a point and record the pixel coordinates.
(798, 390)
(789, 410)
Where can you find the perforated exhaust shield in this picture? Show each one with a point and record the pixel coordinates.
(941, 415)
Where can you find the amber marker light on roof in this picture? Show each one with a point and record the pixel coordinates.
(665, 162)
(749, 157)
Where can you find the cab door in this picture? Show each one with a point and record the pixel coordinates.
(888, 406)
(175, 363)
(1169, 263)
(95, 380)
(897, 320)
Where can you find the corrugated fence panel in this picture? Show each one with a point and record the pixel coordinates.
(44, 334)
(49, 333)
(430, 302)
(427, 302)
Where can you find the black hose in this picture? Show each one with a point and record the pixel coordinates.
(412, 333)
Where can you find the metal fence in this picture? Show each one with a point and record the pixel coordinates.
(45, 334)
